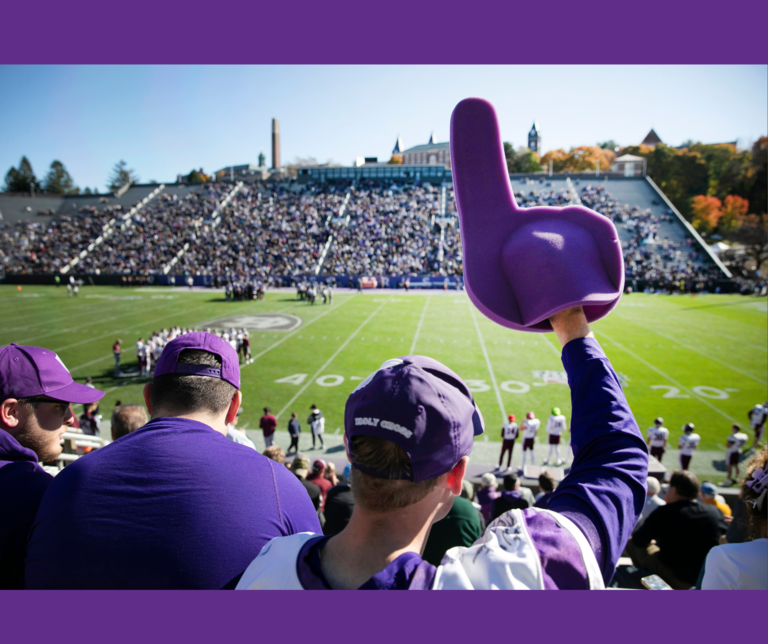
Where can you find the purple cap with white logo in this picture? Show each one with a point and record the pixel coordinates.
(230, 364)
(420, 405)
(26, 372)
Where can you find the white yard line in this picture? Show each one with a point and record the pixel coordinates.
(80, 312)
(418, 328)
(490, 368)
(722, 335)
(695, 350)
(331, 359)
(552, 345)
(292, 333)
(667, 377)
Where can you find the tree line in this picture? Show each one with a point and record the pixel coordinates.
(58, 180)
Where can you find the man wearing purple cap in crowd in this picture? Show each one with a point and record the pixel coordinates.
(174, 504)
(409, 428)
(35, 393)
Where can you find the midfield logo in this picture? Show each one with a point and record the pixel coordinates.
(260, 322)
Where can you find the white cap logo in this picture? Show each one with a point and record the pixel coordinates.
(61, 363)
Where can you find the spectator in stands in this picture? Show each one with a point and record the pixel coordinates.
(744, 565)
(546, 490)
(275, 452)
(708, 494)
(268, 423)
(460, 527)
(408, 431)
(183, 490)
(317, 476)
(300, 468)
(90, 419)
(674, 540)
(237, 435)
(487, 494)
(294, 429)
(653, 501)
(127, 419)
(35, 395)
(510, 498)
(339, 505)
(330, 473)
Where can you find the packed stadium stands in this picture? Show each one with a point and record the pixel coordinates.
(286, 230)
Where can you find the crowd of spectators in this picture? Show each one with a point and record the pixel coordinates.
(378, 228)
(652, 261)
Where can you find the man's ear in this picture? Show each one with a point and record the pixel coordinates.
(237, 399)
(456, 476)
(147, 392)
(346, 447)
(9, 413)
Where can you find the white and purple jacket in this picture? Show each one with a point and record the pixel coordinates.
(573, 544)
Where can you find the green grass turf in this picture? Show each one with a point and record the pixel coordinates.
(706, 356)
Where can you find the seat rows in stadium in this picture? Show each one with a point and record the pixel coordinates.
(287, 230)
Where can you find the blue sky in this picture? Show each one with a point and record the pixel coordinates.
(166, 120)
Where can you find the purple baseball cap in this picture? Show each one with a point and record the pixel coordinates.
(422, 406)
(523, 265)
(230, 364)
(32, 371)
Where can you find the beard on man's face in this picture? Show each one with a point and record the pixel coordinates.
(44, 443)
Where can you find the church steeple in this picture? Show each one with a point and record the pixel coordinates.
(431, 139)
(398, 149)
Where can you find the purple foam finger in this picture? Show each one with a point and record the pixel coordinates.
(523, 265)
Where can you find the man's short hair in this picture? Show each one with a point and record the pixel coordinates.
(384, 495)
(654, 487)
(275, 452)
(546, 482)
(510, 481)
(686, 484)
(187, 393)
(127, 419)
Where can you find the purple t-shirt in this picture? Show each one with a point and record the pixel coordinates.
(172, 505)
(603, 494)
(22, 484)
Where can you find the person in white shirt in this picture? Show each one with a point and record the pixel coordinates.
(734, 443)
(530, 426)
(687, 444)
(509, 433)
(238, 435)
(744, 566)
(653, 501)
(757, 417)
(556, 425)
(658, 435)
(140, 355)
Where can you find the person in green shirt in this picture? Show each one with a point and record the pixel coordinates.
(460, 527)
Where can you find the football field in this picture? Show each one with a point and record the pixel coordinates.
(700, 360)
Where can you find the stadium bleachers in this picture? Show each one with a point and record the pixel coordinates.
(288, 230)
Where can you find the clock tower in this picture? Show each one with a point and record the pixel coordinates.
(534, 139)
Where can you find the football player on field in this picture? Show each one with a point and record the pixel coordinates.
(556, 425)
(658, 435)
(734, 443)
(530, 426)
(687, 444)
(757, 417)
(509, 434)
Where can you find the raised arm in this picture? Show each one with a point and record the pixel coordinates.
(604, 492)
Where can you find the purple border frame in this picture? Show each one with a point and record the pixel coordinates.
(396, 32)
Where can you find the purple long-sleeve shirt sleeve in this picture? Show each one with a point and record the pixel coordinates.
(605, 491)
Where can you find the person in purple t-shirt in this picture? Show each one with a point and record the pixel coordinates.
(35, 395)
(174, 504)
(409, 428)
